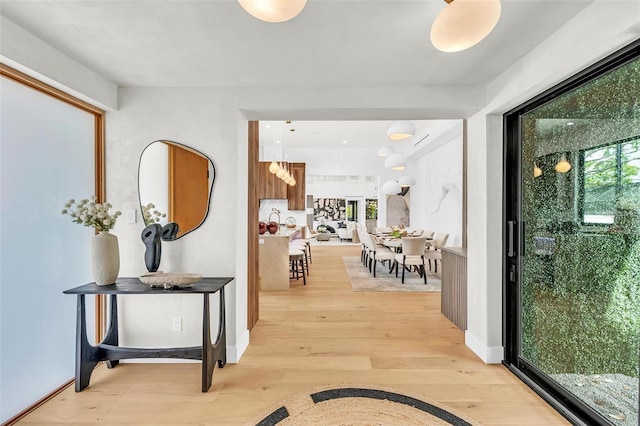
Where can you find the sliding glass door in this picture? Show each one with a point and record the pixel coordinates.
(572, 247)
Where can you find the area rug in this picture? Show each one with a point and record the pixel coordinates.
(362, 280)
(366, 405)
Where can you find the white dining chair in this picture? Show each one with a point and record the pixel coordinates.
(435, 253)
(378, 253)
(413, 249)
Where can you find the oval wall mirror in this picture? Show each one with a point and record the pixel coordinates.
(175, 183)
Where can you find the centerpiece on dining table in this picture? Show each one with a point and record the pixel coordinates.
(398, 232)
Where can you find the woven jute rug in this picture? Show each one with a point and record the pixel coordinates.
(362, 280)
(359, 405)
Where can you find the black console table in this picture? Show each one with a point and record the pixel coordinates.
(88, 356)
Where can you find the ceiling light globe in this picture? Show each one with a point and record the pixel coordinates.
(563, 165)
(273, 10)
(395, 162)
(401, 130)
(385, 151)
(273, 167)
(391, 187)
(537, 171)
(464, 23)
(405, 181)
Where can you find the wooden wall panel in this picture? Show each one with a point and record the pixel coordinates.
(296, 194)
(270, 186)
(253, 206)
(454, 285)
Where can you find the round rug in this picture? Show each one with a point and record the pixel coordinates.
(358, 406)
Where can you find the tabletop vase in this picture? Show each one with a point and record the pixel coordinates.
(105, 258)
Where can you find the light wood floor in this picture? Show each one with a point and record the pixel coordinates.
(316, 335)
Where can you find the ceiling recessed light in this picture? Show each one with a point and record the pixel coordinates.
(344, 141)
(267, 126)
(277, 141)
(570, 123)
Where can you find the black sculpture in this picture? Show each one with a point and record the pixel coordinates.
(151, 237)
(169, 231)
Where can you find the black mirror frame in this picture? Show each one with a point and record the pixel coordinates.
(213, 181)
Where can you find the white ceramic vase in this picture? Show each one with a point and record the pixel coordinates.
(105, 258)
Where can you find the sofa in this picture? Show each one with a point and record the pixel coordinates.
(346, 233)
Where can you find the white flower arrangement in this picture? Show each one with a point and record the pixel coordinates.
(90, 213)
(151, 215)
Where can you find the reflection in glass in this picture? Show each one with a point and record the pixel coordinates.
(174, 185)
(580, 296)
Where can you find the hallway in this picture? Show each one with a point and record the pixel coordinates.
(314, 335)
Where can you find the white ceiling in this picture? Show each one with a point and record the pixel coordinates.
(331, 44)
(335, 135)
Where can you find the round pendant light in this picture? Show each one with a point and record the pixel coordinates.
(391, 187)
(385, 151)
(273, 167)
(395, 162)
(563, 166)
(464, 23)
(405, 181)
(273, 10)
(401, 130)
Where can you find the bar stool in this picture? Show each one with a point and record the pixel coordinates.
(299, 245)
(296, 262)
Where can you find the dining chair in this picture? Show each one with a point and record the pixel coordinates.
(435, 253)
(360, 230)
(413, 250)
(428, 233)
(378, 253)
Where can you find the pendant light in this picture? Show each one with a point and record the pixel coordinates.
(395, 162)
(401, 130)
(406, 181)
(563, 166)
(273, 167)
(537, 171)
(385, 151)
(273, 10)
(391, 187)
(464, 23)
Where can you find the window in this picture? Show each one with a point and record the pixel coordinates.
(611, 175)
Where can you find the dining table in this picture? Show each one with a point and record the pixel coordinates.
(395, 243)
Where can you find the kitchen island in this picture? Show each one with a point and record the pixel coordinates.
(274, 258)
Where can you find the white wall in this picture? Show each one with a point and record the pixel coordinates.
(436, 199)
(146, 115)
(46, 158)
(600, 29)
(25, 52)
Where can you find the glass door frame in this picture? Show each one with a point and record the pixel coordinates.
(513, 242)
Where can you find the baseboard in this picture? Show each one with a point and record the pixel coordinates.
(15, 419)
(488, 354)
(234, 353)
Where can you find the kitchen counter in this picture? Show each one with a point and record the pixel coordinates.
(273, 252)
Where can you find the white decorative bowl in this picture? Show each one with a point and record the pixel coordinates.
(170, 279)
